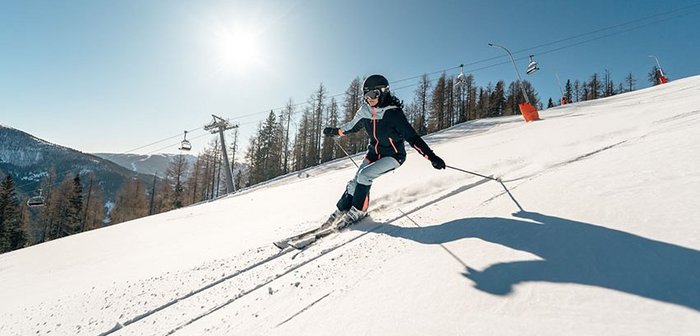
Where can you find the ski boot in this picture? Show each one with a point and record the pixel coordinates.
(335, 216)
(351, 217)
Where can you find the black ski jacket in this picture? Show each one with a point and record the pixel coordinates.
(388, 128)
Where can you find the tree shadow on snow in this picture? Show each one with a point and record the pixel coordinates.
(572, 252)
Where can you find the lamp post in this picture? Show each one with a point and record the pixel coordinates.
(520, 80)
(662, 78)
(528, 111)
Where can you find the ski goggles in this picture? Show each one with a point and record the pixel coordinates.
(373, 94)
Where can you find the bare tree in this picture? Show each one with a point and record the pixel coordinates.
(437, 114)
(286, 120)
(355, 142)
(421, 103)
(131, 202)
(328, 151)
(177, 172)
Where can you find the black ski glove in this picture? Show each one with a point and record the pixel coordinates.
(331, 131)
(437, 162)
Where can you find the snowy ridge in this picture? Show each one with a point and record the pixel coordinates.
(598, 236)
(145, 164)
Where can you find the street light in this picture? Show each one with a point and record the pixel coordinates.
(528, 111)
(662, 78)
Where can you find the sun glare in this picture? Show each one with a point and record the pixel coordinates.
(237, 50)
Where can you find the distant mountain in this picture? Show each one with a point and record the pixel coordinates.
(145, 164)
(28, 160)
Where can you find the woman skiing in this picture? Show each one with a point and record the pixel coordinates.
(382, 117)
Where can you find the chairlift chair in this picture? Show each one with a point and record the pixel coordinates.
(185, 145)
(460, 78)
(36, 201)
(532, 67)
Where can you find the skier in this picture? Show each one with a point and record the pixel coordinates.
(382, 117)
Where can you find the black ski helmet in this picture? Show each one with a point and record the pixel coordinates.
(375, 82)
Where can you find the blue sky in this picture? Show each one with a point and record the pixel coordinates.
(115, 76)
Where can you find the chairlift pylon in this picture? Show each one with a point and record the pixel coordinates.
(532, 67)
(36, 201)
(185, 145)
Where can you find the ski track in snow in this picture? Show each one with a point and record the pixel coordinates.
(181, 312)
(211, 298)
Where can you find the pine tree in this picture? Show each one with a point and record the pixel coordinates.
(497, 100)
(482, 106)
(264, 155)
(532, 94)
(75, 208)
(568, 91)
(514, 96)
(13, 233)
(630, 81)
(550, 103)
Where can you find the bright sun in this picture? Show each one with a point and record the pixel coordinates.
(237, 49)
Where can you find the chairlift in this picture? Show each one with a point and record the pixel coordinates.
(460, 78)
(36, 201)
(185, 145)
(532, 67)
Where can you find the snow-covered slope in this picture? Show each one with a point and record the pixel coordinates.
(607, 242)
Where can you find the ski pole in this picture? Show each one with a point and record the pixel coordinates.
(344, 151)
(477, 174)
(497, 179)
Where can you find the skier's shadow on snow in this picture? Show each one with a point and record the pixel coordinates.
(572, 252)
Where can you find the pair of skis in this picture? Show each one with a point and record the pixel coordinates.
(304, 239)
